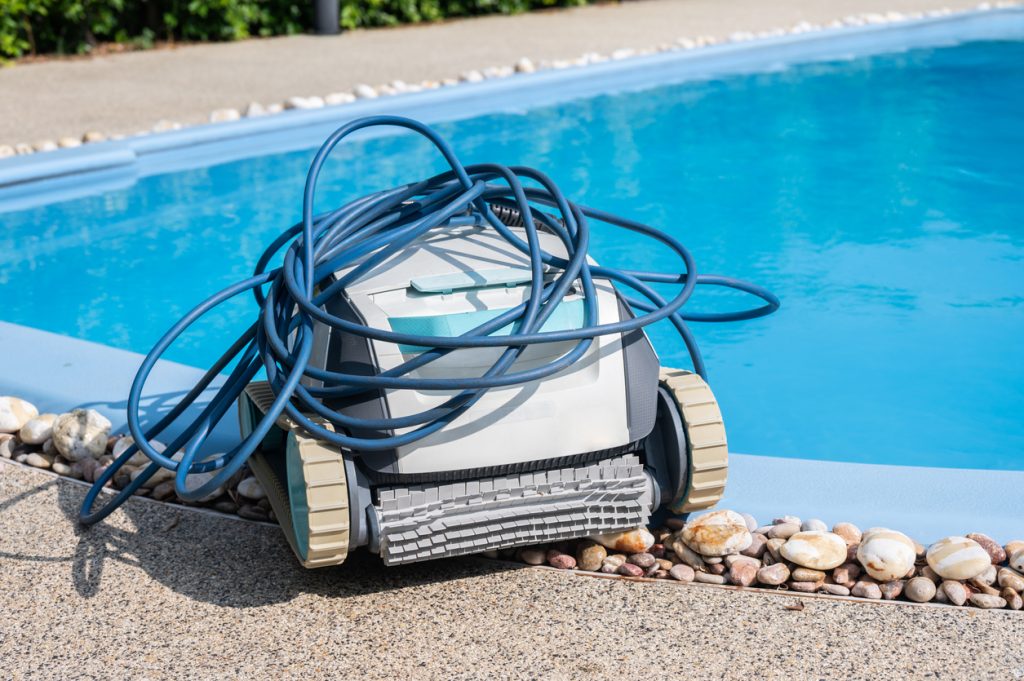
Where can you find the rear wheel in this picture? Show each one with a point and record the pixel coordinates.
(706, 447)
(305, 482)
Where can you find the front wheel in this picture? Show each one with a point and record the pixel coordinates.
(707, 452)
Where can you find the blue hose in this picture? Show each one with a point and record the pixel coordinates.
(362, 235)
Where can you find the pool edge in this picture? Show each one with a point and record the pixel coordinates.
(29, 181)
(927, 503)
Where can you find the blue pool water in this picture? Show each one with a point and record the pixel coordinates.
(880, 198)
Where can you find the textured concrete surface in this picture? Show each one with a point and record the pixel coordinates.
(130, 92)
(165, 593)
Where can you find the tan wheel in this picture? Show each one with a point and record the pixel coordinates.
(707, 449)
(311, 505)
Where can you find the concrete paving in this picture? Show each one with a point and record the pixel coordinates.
(162, 592)
(126, 93)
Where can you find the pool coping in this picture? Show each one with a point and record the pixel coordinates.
(53, 371)
(69, 173)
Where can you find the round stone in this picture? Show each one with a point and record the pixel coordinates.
(630, 570)
(1012, 598)
(590, 555)
(987, 601)
(743, 573)
(891, 590)
(707, 578)
(631, 541)
(1017, 560)
(37, 430)
(958, 558)
(139, 458)
(37, 461)
(886, 554)
(718, 533)
(815, 549)
(919, 590)
(81, 434)
(757, 546)
(532, 556)
(956, 593)
(802, 574)
(773, 575)
(562, 561)
(682, 572)
(846, 574)
(813, 525)
(194, 481)
(15, 413)
(850, 533)
(644, 560)
(834, 589)
(250, 488)
(991, 546)
(783, 530)
(866, 589)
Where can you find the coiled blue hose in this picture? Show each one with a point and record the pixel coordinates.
(362, 235)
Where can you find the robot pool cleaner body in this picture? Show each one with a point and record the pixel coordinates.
(449, 372)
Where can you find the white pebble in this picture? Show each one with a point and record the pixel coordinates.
(815, 549)
(15, 413)
(254, 110)
(336, 98)
(22, 149)
(139, 458)
(525, 65)
(164, 126)
(93, 136)
(623, 53)
(81, 434)
(364, 91)
(717, 533)
(303, 103)
(69, 142)
(224, 115)
(37, 430)
(473, 76)
(6, 151)
(45, 145)
(886, 554)
(958, 558)
(813, 525)
(250, 488)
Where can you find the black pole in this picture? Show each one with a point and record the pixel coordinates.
(325, 17)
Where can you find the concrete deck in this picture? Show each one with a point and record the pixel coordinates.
(130, 92)
(160, 592)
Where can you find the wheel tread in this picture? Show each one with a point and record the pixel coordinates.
(706, 440)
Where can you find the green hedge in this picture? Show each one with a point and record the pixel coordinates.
(76, 26)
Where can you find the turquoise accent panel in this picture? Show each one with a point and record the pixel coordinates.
(568, 315)
(297, 499)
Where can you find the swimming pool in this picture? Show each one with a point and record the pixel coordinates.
(865, 193)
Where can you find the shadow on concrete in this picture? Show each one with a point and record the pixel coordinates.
(224, 561)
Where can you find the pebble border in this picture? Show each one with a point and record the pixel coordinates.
(522, 66)
(718, 548)
(986, 576)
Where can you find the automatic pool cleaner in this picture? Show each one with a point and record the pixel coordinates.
(447, 371)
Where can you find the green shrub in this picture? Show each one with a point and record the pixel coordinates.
(77, 26)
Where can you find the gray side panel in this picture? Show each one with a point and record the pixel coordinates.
(641, 375)
(354, 355)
